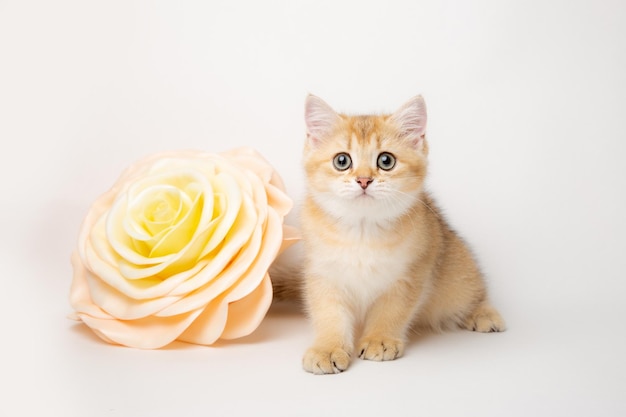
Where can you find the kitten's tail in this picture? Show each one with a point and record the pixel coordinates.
(286, 274)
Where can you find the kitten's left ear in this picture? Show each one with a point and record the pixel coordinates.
(411, 120)
(320, 118)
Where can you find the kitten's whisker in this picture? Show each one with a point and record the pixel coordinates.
(420, 201)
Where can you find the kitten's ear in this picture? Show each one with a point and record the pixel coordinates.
(320, 119)
(411, 120)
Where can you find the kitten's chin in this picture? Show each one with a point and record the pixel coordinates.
(364, 207)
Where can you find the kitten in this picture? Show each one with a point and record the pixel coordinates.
(378, 256)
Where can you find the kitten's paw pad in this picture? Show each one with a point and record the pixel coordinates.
(380, 349)
(321, 361)
(485, 319)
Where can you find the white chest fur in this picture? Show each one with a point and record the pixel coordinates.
(363, 268)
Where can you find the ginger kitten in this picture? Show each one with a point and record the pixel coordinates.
(378, 256)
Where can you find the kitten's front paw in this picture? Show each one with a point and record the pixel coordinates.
(380, 349)
(321, 361)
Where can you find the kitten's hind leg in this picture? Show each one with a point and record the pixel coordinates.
(484, 319)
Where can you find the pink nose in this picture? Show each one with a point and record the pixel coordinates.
(364, 181)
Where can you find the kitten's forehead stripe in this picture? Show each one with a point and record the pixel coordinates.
(364, 130)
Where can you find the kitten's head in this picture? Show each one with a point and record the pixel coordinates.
(365, 167)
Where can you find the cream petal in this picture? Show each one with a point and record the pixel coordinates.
(132, 272)
(145, 333)
(224, 280)
(234, 200)
(176, 191)
(153, 288)
(278, 200)
(243, 275)
(242, 231)
(110, 230)
(209, 325)
(121, 306)
(179, 235)
(111, 274)
(80, 298)
(167, 202)
(90, 222)
(246, 314)
(272, 238)
(253, 160)
(100, 334)
(136, 289)
(260, 195)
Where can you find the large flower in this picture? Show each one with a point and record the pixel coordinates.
(179, 249)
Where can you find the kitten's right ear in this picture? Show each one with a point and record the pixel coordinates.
(320, 119)
(411, 120)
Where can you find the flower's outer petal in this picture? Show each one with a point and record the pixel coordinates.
(95, 215)
(100, 334)
(278, 200)
(121, 306)
(245, 315)
(80, 299)
(270, 245)
(111, 274)
(209, 325)
(146, 333)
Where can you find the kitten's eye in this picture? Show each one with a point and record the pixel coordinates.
(342, 161)
(386, 161)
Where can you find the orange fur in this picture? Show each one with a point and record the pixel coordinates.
(379, 259)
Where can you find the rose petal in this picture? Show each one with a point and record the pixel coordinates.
(271, 242)
(209, 325)
(154, 210)
(224, 280)
(228, 253)
(245, 314)
(80, 298)
(121, 306)
(145, 333)
(278, 200)
(233, 201)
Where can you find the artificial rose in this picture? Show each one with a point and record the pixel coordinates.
(179, 249)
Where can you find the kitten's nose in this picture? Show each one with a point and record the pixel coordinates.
(364, 181)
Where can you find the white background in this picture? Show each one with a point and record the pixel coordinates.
(526, 106)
